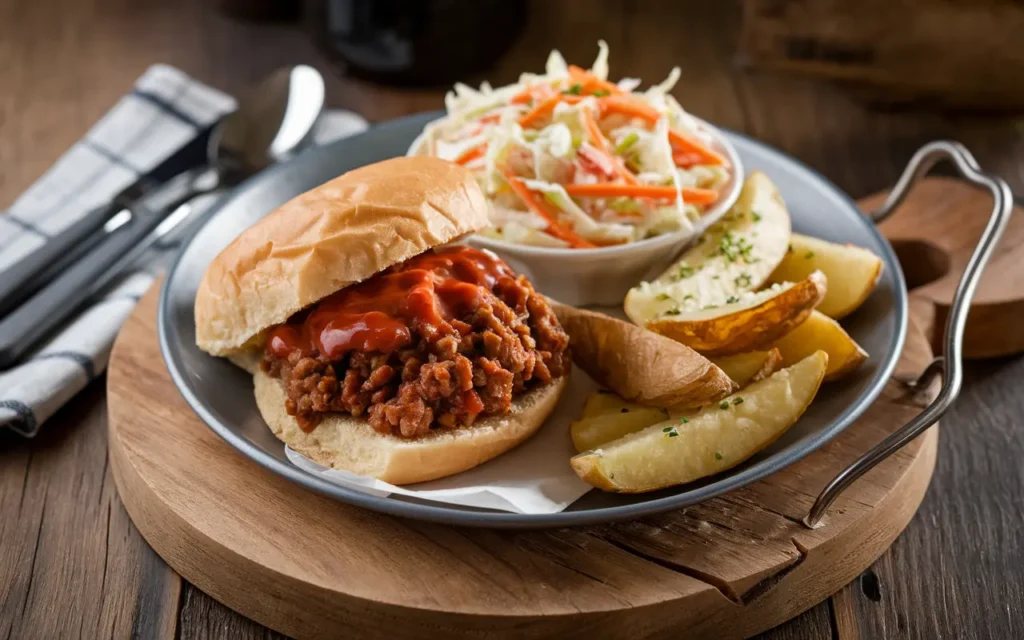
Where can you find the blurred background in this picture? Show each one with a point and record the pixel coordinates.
(850, 88)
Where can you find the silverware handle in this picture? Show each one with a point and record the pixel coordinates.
(21, 329)
(21, 277)
(950, 364)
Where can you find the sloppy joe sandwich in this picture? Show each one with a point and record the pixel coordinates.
(375, 345)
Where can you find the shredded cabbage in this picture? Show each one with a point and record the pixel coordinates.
(556, 148)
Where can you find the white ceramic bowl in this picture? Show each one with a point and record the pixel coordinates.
(602, 276)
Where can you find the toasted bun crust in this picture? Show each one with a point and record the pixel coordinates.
(338, 234)
(344, 442)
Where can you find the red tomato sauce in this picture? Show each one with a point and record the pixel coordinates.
(422, 295)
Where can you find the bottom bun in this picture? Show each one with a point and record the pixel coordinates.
(344, 442)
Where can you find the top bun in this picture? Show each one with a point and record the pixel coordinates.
(336, 235)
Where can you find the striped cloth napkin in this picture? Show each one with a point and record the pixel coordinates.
(166, 111)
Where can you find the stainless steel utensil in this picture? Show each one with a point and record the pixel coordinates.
(273, 121)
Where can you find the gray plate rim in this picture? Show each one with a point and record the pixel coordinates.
(455, 515)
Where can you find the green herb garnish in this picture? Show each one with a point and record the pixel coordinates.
(734, 248)
(574, 90)
(685, 271)
(810, 254)
(673, 312)
(718, 456)
(756, 216)
(731, 299)
(724, 404)
(737, 400)
(742, 280)
(626, 143)
(683, 420)
(600, 93)
(662, 296)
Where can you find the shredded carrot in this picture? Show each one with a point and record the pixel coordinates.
(490, 119)
(546, 107)
(686, 159)
(689, 145)
(589, 83)
(554, 228)
(471, 154)
(532, 94)
(617, 190)
(522, 97)
(625, 106)
(598, 140)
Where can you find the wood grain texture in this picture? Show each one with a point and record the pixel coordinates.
(935, 234)
(73, 563)
(65, 63)
(726, 568)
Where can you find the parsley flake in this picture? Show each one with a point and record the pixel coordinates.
(731, 299)
(685, 271)
(574, 90)
(600, 93)
(718, 456)
(734, 248)
(673, 312)
(688, 296)
(756, 216)
(683, 420)
(810, 254)
(662, 296)
(737, 400)
(724, 404)
(673, 434)
(742, 280)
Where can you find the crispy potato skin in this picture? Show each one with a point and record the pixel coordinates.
(639, 365)
(748, 329)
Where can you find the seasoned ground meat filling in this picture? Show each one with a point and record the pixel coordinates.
(432, 343)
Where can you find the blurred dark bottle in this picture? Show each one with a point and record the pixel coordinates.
(417, 42)
(262, 10)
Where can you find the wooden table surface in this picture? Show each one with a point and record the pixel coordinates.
(73, 565)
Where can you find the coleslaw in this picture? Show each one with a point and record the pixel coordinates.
(569, 159)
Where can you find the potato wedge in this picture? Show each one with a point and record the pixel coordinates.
(735, 255)
(638, 365)
(594, 431)
(754, 321)
(717, 438)
(852, 271)
(751, 366)
(601, 402)
(820, 332)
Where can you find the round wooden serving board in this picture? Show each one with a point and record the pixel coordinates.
(308, 566)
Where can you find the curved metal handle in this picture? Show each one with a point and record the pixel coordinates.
(950, 363)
